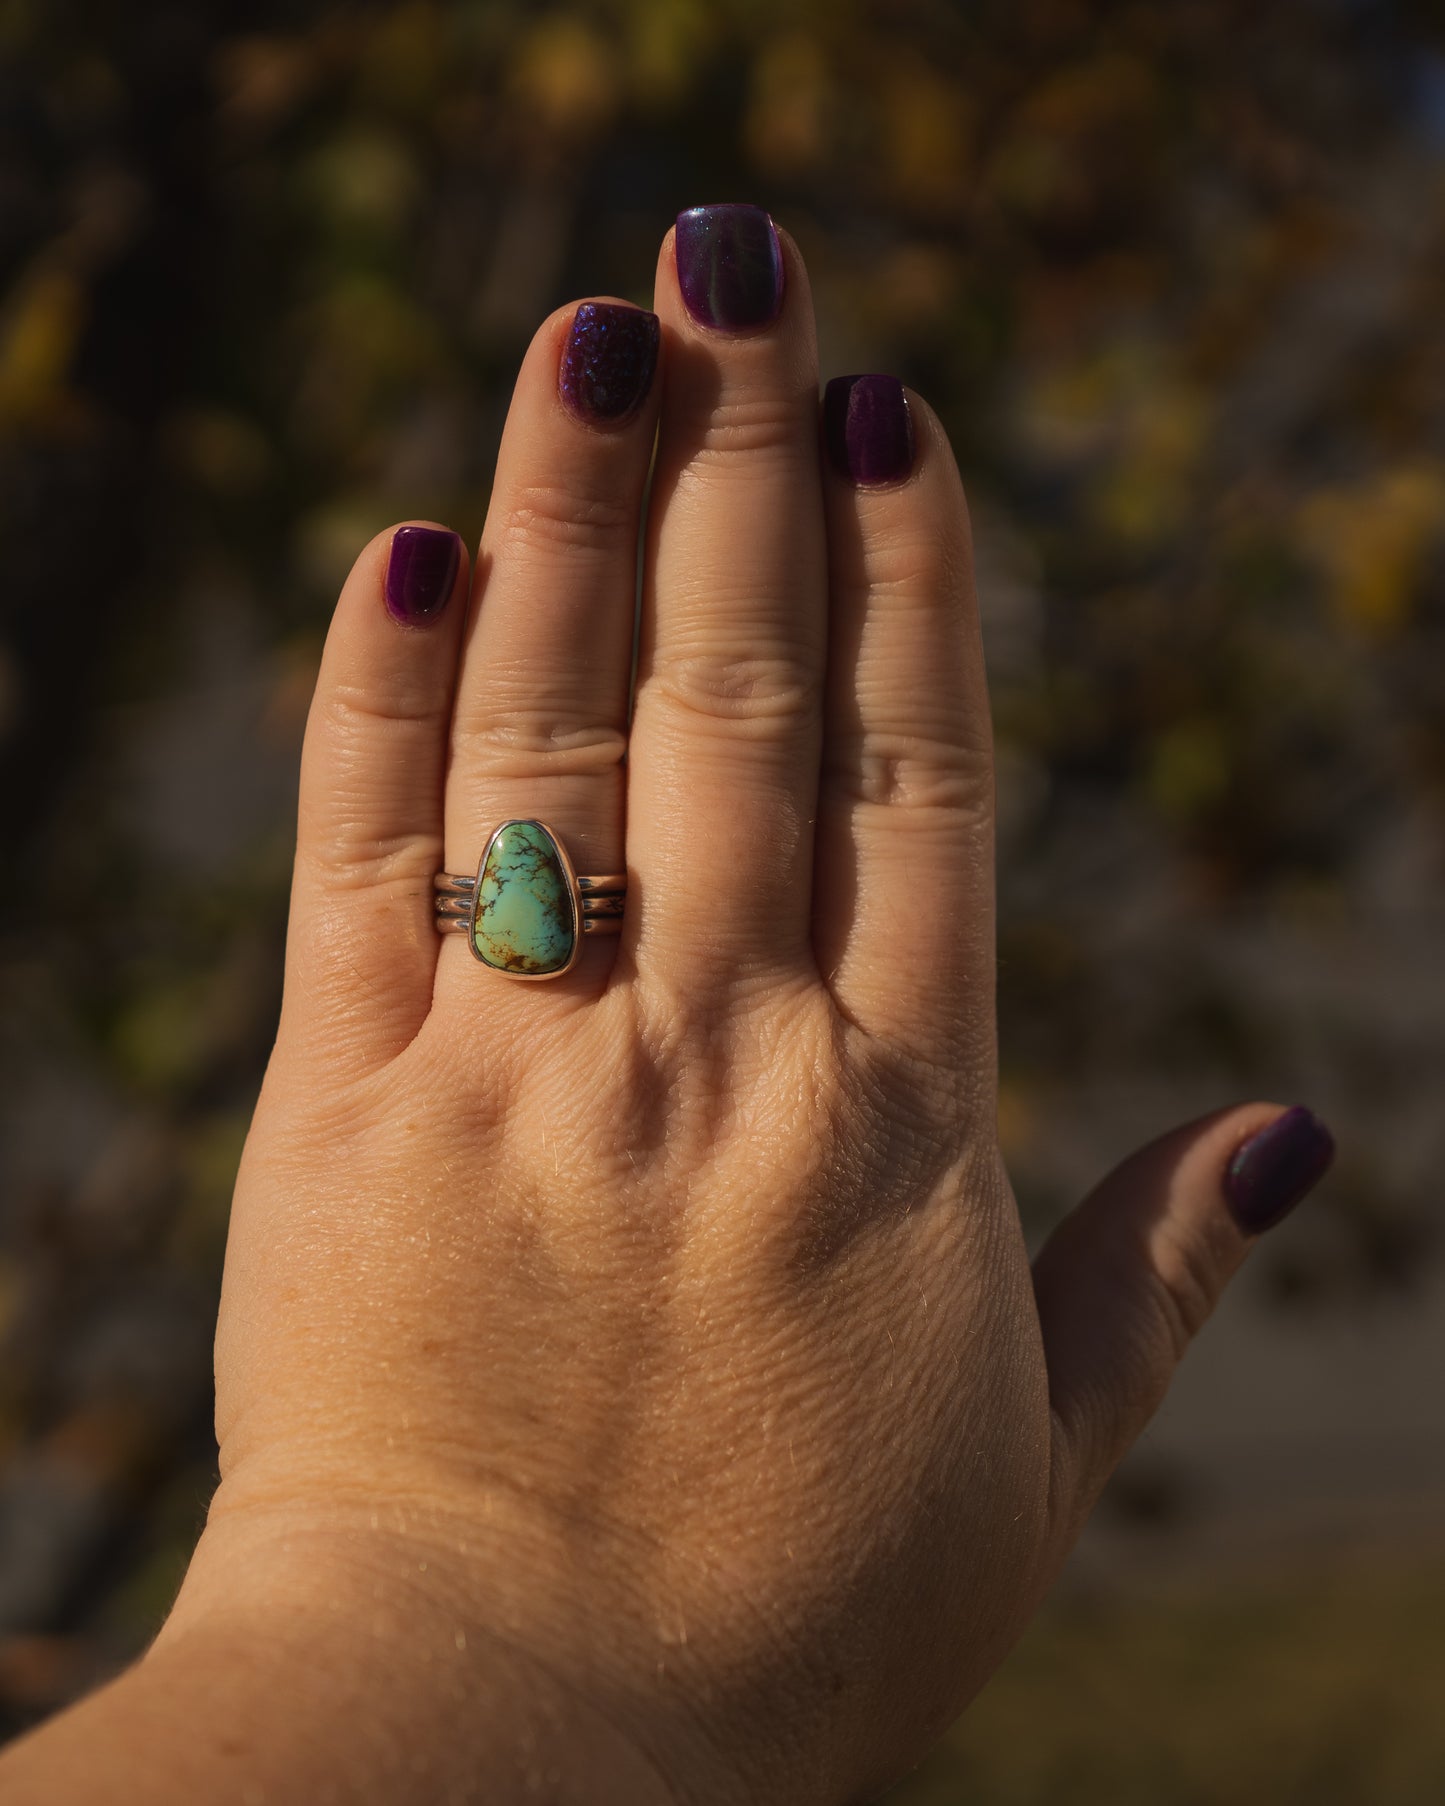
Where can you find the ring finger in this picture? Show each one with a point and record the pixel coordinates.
(904, 919)
(540, 723)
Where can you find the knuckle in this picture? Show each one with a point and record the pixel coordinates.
(527, 741)
(1186, 1286)
(550, 517)
(752, 427)
(1070, 1471)
(909, 771)
(913, 564)
(349, 856)
(349, 712)
(739, 690)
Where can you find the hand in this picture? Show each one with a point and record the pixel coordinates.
(667, 1328)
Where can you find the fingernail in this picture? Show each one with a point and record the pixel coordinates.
(420, 573)
(869, 428)
(729, 266)
(1273, 1170)
(609, 360)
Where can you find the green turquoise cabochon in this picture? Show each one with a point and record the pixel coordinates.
(526, 921)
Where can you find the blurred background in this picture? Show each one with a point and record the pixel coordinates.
(1174, 275)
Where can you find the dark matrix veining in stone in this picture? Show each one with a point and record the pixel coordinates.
(524, 921)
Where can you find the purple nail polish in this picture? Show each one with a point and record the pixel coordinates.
(421, 573)
(869, 428)
(729, 266)
(1273, 1170)
(608, 361)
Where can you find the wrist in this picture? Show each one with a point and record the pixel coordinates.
(441, 1673)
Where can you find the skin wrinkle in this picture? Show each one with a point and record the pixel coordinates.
(915, 781)
(369, 863)
(732, 634)
(538, 746)
(1185, 1270)
(769, 406)
(512, 689)
(770, 385)
(909, 567)
(730, 614)
(353, 713)
(709, 475)
(754, 694)
(390, 1557)
(336, 1029)
(573, 513)
(359, 804)
(788, 829)
(877, 1515)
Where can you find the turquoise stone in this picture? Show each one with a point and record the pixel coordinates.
(525, 921)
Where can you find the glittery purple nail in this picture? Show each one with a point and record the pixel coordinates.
(1275, 1168)
(421, 573)
(608, 361)
(729, 266)
(868, 428)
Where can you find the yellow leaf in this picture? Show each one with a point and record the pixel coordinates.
(566, 75)
(1371, 540)
(787, 126)
(38, 336)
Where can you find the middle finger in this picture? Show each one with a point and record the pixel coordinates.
(726, 731)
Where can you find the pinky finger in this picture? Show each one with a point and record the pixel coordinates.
(361, 948)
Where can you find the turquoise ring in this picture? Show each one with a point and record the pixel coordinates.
(526, 911)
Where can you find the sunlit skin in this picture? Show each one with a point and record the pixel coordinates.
(633, 1386)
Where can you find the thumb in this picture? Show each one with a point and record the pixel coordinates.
(1127, 1280)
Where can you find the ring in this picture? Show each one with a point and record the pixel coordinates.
(526, 910)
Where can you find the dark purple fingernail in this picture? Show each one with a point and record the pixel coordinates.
(729, 266)
(608, 361)
(1273, 1170)
(869, 428)
(421, 573)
